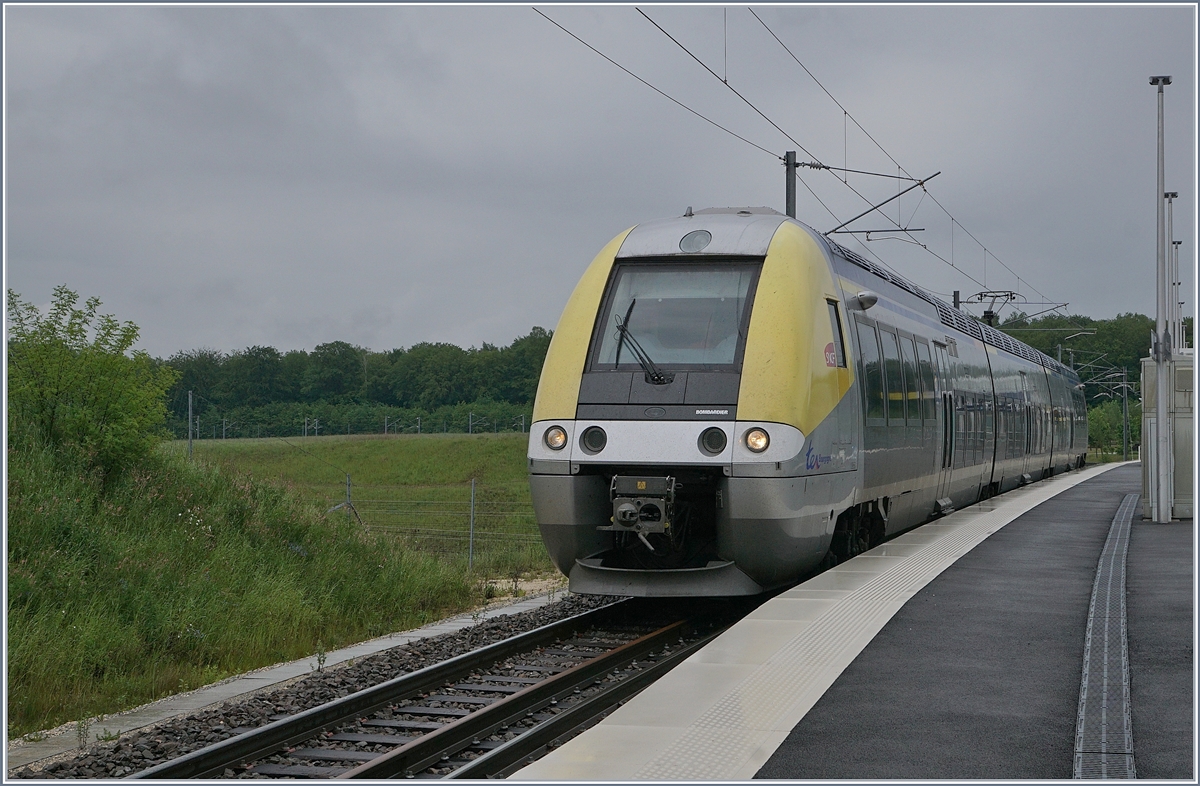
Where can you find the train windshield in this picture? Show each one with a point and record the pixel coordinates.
(677, 315)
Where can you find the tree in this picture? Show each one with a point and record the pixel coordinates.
(522, 366)
(1106, 425)
(293, 368)
(1106, 344)
(74, 377)
(252, 377)
(379, 372)
(335, 372)
(198, 371)
(430, 375)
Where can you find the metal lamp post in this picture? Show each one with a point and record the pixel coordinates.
(1162, 348)
(1125, 414)
(1176, 293)
(1172, 297)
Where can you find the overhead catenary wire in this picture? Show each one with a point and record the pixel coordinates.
(674, 100)
(794, 141)
(655, 89)
(817, 164)
(890, 157)
(734, 90)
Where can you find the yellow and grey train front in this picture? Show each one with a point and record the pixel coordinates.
(694, 431)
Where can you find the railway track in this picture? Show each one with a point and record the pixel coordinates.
(481, 714)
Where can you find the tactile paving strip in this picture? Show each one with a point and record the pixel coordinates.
(1104, 727)
(720, 744)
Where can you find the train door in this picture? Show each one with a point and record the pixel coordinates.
(1069, 412)
(1027, 422)
(874, 402)
(928, 401)
(893, 377)
(945, 404)
(912, 385)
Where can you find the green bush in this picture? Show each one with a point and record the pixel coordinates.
(73, 377)
(171, 575)
(1106, 426)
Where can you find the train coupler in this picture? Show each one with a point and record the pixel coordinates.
(641, 504)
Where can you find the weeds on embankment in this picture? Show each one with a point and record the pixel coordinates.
(172, 575)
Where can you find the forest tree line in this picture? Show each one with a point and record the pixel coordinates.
(353, 389)
(339, 377)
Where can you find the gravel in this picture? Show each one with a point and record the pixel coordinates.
(143, 748)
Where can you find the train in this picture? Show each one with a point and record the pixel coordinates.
(732, 401)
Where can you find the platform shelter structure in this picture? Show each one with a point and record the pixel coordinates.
(1180, 420)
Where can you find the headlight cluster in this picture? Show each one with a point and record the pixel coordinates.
(757, 440)
(713, 440)
(594, 439)
(555, 438)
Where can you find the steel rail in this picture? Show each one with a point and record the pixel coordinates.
(214, 759)
(501, 761)
(427, 750)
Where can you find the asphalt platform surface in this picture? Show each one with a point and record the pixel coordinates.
(978, 675)
(1158, 598)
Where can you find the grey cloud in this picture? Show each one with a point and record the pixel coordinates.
(231, 176)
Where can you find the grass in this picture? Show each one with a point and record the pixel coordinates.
(495, 460)
(176, 574)
(1102, 456)
(414, 487)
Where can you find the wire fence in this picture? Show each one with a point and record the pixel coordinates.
(318, 420)
(483, 526)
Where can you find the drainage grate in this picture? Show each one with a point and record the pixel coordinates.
(1104, 728)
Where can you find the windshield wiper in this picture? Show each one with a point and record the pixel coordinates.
(653, 375)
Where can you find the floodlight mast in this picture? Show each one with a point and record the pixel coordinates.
(1162, 343)
(1172, 308)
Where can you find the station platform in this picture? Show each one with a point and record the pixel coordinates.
(954, 651)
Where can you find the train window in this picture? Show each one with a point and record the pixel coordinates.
(680, 315)
(908, 352)
(894, 376)
(868, 348)
(839, 344)
(928, 396)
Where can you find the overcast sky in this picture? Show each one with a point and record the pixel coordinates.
(289, 176)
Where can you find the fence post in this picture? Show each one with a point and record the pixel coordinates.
(471, 534)
(189, 425)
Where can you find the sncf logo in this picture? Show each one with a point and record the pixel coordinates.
(830, 355)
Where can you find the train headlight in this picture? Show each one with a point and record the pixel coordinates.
(556, 438)
(757, 440)
(594, 439)
(712, 440)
